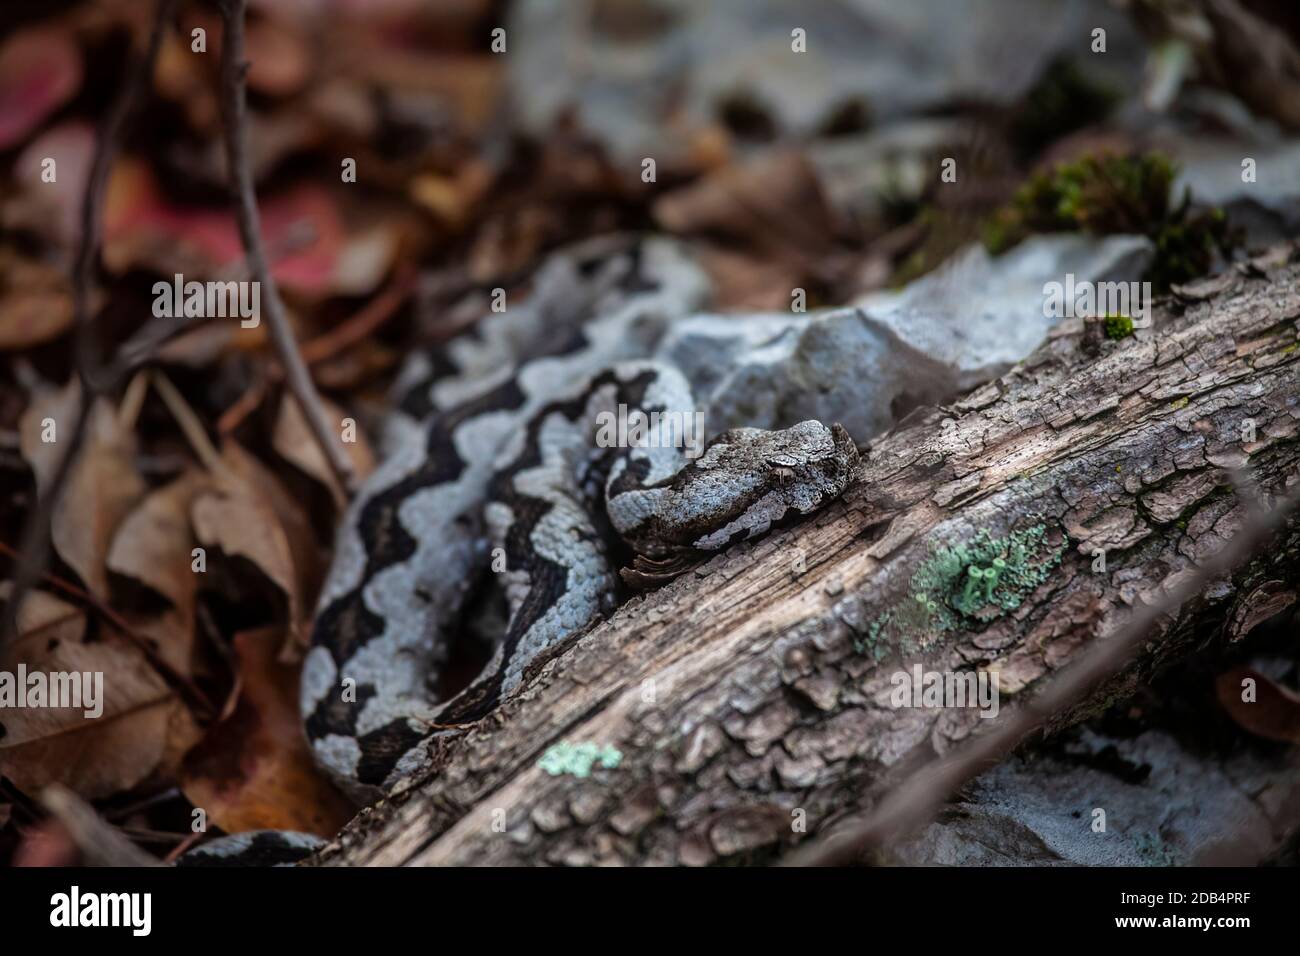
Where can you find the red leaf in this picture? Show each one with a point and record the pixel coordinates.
(39, 70)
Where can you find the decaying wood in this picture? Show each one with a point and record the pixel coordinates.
(746, 719)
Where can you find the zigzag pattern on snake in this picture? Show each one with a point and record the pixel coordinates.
(493, 445)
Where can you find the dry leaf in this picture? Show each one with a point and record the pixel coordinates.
(744, 282)
(101, 489)
(294, 441)
(453, 199)
(154, 543)
(280, 63)
(35, 302)
(248, 514)
(303, 545)
(1275, 712)
(53, 210)
(154, 546)
(254, 769)
(138, 733)
(777, 196)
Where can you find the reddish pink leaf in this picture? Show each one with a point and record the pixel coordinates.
(40, 69)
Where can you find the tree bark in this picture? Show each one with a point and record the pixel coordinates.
(750, 699)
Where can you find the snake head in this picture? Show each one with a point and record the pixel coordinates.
(745, 481)
(808, 462)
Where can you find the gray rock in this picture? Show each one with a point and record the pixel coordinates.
(1269, 207)
(868, 365)
(643, 75)
(1210, 165)
(980, 314)
(1170, 807)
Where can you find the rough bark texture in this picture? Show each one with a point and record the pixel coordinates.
(736, 695)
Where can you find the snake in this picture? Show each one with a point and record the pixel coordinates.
(493, 462)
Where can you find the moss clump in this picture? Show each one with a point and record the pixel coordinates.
(1118, 327)
(1107, 195)
(965, 585)
(1186, 245)
(577, 760)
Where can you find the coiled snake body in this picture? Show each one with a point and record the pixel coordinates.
(492, 457)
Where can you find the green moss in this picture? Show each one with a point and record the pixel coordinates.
(965, 585)
(1186, 245)
(1105, 194)
(577, 760)
(1098, 194)
(1178, 403)
(1118, 327)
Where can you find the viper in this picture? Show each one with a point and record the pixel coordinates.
(495, 465)
(492, 462)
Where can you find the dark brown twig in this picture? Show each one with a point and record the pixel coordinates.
(324, 347)
(142, 346)
(35, 543)
(363, 323)
(174, 853)
(235, 124)
(924, 792)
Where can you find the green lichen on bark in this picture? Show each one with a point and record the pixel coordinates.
(578, 760)
(964, 586)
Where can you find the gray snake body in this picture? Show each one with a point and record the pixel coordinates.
(493, 451)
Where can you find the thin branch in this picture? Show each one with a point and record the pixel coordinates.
(235, 124)
(921, 796)
(245, 405)
(35, 543)
(322, 348)
(182, 847)
(363, 323)
(142, 346)
(188, 422)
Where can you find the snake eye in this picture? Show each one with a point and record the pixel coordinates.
(784, 474)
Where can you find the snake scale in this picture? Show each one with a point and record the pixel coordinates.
(490, 459)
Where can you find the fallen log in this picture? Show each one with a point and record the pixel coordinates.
(751, 704)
